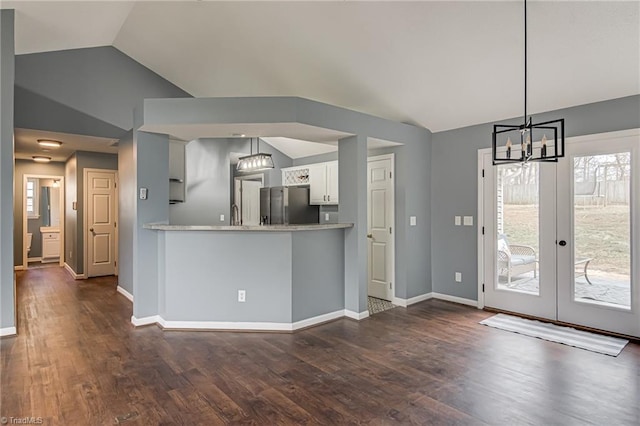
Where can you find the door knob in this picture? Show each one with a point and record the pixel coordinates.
(369, 235)
(562, 243)
(91, 229)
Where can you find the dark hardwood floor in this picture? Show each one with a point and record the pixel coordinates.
(78, 361)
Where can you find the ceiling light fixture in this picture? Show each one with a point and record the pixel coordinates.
(50, 143)
(255, 162)
(41, 159)
(526, 149)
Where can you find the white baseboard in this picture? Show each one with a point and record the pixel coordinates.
(245, 326)
(73, 273)
(355, 315)
(18, 268)
(8, 331)
(34, 259)
(125, 293)
(145, 320)
(317, 320)
(456, 299)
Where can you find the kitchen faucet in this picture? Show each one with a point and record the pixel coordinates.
(235, 220)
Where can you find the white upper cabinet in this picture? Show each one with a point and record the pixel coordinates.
(322, 179)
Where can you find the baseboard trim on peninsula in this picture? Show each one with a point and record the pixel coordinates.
(8, 331)
(125, 293)
(73, 273)
(139, 322)
(246, 326)
(440, 296)
(355, 315)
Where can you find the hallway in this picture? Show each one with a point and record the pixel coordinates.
(78, 360)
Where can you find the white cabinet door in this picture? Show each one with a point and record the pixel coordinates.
(50, 245)
(332, 182)
(317, 184)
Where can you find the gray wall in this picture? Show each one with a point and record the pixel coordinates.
(28, 167)
(7, 76)
(455, 185)
(74, 243)
(126, 208)
(209, 179)
(101, 82)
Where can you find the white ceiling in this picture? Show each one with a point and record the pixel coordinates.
(441, 65)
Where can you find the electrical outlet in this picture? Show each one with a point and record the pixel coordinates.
(221, 218)
(412, 221)
(458, 277)
(242, 296)
(457, 220)
(468, 221)
(326, 217)
(70, 255)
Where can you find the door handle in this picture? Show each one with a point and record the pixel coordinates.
(562, 243)
(324, 198)
(328, 197)
(91, 229)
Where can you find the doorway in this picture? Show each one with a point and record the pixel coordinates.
(42, 220)
(380, 223)
(559, 238)
(246, 201)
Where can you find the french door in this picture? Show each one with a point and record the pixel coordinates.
(562, 240)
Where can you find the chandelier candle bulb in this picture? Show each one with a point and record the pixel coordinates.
(509, 143)
(544, 146)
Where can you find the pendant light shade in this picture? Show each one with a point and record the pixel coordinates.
(255, 162)
(521, 143)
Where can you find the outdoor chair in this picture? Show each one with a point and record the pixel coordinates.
(515, 259)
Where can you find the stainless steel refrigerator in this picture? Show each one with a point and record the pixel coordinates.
(288, 205)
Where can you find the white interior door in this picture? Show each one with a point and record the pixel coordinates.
(599, 232)
(519, 237)
(100, 224)
(380, 216)
(251, 202)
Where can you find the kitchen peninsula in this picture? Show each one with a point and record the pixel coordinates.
(290, 276)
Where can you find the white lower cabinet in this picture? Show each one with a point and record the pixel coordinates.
(50, 245)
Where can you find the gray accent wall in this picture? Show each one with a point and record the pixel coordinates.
(70, 214)
(28, 167)
(101, 82)
(454, 177)
(7, 76)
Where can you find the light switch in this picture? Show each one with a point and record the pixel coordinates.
(412, 221)
(468, 221)
(143, 193)
(221, 218)
(326, 217)
(458, 220)
(458, 277)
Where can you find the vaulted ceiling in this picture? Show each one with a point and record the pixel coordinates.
(440, 65)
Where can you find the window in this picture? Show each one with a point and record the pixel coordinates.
(32, 199)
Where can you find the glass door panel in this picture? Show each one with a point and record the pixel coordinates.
(519, 262)
(602, 229)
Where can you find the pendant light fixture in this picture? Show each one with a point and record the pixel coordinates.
(517, 143)
(255, 162)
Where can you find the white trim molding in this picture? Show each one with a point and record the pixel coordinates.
(139, 322)
(455, 299)
(398, 301)
(246, 326)
(355, 315)
(73, 273)
(125, 293)
(8, 331)
(18, 268)
(317, 320)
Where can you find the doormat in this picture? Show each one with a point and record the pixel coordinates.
(555, 333)
(378, 305)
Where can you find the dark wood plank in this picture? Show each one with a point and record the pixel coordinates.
(78, 360)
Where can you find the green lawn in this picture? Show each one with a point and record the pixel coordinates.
(602, 233)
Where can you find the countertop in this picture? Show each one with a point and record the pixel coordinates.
(264, 228)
